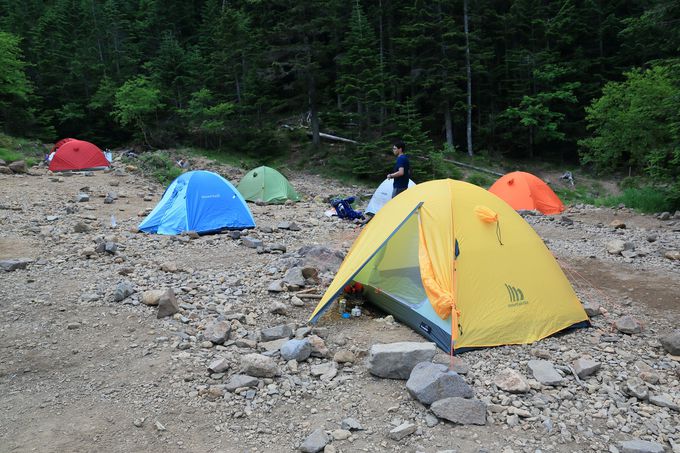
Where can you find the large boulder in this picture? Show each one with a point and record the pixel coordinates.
(460, 410)
(430, 382)
(671, 342)
(397, 360)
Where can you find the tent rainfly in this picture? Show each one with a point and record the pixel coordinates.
(524, 191)
(267, 185)
(460, 267)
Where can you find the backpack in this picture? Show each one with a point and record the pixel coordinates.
(343, 207)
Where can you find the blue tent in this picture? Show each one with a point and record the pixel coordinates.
(199, 201)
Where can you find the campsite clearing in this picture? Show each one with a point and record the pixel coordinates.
(81, 372)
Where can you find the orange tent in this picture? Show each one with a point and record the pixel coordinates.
(523, 190)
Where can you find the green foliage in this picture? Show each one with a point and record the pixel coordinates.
(360, 80)
(15, 88)
(646, 199)
(634, 124)
(158, 165)
(480, 179)
(9, 156)
(136, 103)
(539, 112)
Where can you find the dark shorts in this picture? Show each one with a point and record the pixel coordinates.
(397, 190)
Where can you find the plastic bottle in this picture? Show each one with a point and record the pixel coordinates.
(113, 221)
(356, 312)
(342, 305)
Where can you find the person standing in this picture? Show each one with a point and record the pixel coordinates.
(402, 169)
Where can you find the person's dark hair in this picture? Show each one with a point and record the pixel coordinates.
(400, 144)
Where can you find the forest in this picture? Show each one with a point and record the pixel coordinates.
(593, 83)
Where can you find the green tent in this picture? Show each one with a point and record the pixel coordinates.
(268, 185)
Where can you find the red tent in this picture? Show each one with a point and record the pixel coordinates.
(78, 155)
(59, 143)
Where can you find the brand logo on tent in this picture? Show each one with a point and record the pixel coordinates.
(516, 296)
(214, 195)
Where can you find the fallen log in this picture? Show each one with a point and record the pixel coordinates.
(334, 138)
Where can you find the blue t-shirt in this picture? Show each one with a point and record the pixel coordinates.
(402, 181)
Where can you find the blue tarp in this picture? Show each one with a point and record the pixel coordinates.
(199, 201)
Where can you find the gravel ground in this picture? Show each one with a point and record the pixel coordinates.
(82, 372)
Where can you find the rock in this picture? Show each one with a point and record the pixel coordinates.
(672, 255)
(671, 342)
(18, 166)
(641, 446)
(169, 266)
(217, 331)
(274, 333)
(544, 372)
(344, 356)
(82, 197)
(238, 381)
(585, 367)
(251, 242)
(167, 304)
(511, 381)
(276, 286)
(321, 258)
(636, 387)
(341, 434)
(315, 442)
(152, 296)
(617, 224)
(319, 348)
(592, 309)
(430, 382)
(294, 277)
(615, 247)
(397, 360)
(401, 431)
(218, 365)
(81, 227)
(298, 350)
(628, 324)
(351, 424)
(664, 400)
(325, 371)
(258, 365)
(278, 308)
(460, 410)
(123, 291)
(14, 264)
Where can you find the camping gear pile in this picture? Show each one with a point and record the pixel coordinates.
(344, 210)
(459, 266)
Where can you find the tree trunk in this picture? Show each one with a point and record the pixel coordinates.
(469, 78)
(448, 124)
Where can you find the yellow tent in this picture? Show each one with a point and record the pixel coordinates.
(502, 286)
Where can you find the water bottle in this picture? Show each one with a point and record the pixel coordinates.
(342, 305)
(356, 312)
(113, 221)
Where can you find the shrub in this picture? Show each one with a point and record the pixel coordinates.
(480, 179)
(646, 199)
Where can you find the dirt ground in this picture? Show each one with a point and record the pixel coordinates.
(85, 374)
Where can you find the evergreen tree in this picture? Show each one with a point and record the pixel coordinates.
(359, 83)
